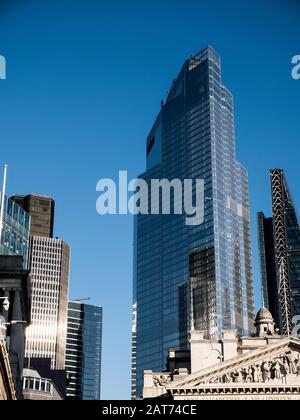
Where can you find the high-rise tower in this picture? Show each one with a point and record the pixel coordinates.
(189, 277)
(84, 351)
(279, 250)
(46, 336)
(49, 260)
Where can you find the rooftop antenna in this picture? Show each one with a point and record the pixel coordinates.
(2, 202)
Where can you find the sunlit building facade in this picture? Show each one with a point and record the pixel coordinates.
(49, 264)
(193, 277)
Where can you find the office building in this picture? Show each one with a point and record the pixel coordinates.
(267, 263)
(41, 210)
(49, 260)
(46, 336)
(15, 232)
(197, 276)
(279, 251)
(83, 352)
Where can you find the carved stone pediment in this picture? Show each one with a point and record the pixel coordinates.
(272, 369)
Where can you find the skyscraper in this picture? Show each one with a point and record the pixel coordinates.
(49, 260)
(83, 352)
(279, 250)
(15, 233)
(46, 336)
(189, 277)
(41, 210)
(268, 276)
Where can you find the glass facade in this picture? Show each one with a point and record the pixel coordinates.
(268, 276)
(279, 243)
(193, 276)
(15, 234)
(83, 351)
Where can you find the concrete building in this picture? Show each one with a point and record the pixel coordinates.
(43, 368)
(37, 388)
(41, 209)
(49, 264)
(49, 261)
(265, 366)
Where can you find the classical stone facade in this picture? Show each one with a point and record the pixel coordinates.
(7, 388)
(263, 367)
(15, 287)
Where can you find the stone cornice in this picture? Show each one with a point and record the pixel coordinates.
(198, 378)
(235, 389)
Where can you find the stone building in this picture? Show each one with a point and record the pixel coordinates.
(265, 366)
(7, 389)
(15, 303)
(36, 387)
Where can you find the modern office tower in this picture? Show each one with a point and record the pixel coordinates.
(46, 336)
(15, 233)
(268, 274)
(83, 352)
(193, 276)
(41, 210)
(279, 249)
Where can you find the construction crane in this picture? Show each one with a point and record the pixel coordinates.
(81, 300)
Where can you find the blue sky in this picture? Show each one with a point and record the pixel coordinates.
(84, 83)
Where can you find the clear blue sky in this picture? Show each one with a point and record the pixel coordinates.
(85, 80)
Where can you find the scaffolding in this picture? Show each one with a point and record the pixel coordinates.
(280, 195)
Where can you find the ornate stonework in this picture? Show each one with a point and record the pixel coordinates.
(272, 372)
(265, 366)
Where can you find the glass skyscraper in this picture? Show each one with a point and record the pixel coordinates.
(15, 234)
(279, 251)
(189, 277)
(83, 351)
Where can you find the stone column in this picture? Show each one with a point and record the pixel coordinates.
(17, 344)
